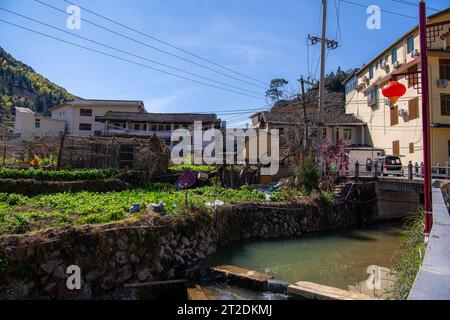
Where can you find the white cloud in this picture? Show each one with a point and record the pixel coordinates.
(159, 104)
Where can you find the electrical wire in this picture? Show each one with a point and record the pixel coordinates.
(382, 10)
(165, 43)
(126, 60)
(126, 52)
(150, 46)
(415, 5)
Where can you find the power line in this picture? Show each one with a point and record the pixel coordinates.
(382, 10)
(415, 5)
(126, 60)
(128, 53)
(152, 47)
(166, 43)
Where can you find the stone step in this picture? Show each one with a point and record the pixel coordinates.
(242, 276)
(314, 291)
(197, 294)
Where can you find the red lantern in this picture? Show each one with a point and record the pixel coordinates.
(393, 91)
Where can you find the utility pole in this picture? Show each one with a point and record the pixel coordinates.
(305, 113)
(425, 117)
(330, 44)
(322, 74)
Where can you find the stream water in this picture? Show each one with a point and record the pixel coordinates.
(343, 259)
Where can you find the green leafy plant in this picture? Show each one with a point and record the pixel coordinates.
(57, 175)
(308, 174)
(21, 214)
(408, 259)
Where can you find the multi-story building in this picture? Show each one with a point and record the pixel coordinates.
(31, 125)
(80, 115)
(160, 124)
(398, 128)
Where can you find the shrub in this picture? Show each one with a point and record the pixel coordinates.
(408, 259)
(57, 175)
(309, 174)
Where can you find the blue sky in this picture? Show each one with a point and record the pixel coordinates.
(263, 39)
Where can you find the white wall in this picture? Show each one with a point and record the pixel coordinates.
(25, 124)
(71, 114)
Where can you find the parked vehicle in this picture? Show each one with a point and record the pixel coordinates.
(390, 165)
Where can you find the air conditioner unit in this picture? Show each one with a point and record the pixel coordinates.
(442, 83)
(385, 67)
(396, 64)
(415, 53)
(365, 79)
(402, 112)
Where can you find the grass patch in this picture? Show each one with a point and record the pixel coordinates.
(57, 175)
(21, 214)
(408, 259)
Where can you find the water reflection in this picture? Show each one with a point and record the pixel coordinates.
(341, 259)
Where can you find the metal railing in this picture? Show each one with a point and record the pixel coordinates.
(410, 172)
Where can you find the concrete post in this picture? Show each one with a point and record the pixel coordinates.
(421, 169)
(410, 170)
(447, 170)
(375, 170)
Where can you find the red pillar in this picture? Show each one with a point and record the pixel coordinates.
(425, 116)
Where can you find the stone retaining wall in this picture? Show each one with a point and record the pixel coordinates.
(148, 249)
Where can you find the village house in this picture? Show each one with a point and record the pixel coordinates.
(160, 124)
(79, 115)
(31, 125)
(85, 118)
(398, 129)
(289, 118)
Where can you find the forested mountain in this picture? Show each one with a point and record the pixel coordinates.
(21, 86)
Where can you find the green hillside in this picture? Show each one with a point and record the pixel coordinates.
(21, 86)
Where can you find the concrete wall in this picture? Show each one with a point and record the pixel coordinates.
(433, 279)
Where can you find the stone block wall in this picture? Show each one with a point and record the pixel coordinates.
(151, 248)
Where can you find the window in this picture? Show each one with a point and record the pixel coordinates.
(396, 148)
(394, 55)
(372, 94)
(85, 127)
(280, 131)
(411, 147)
(137, 126)
(413, 77)
(85, 112)
(410, 44)
(153, 127)
(394, 115)
(449, 148)
(413, 108)
(371, 72)
(348, 134)
(444, 69)
(445, 104)
(351, 85)
(37, 123)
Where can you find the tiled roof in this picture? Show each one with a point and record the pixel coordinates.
(108, 103)
(158, 117)
(291, 112)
